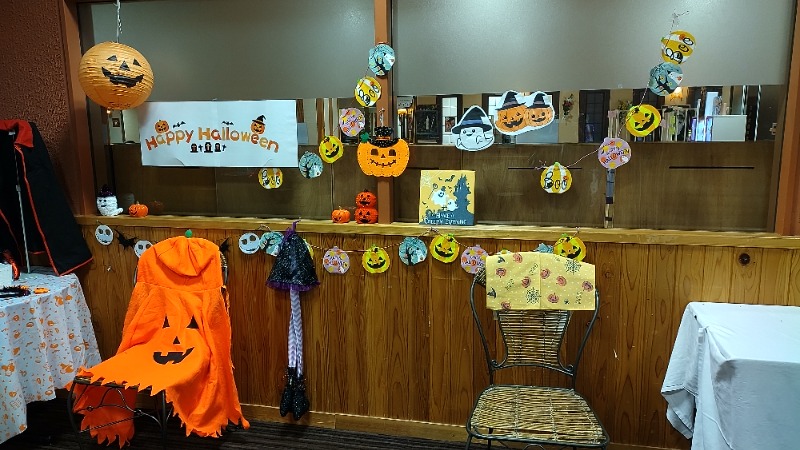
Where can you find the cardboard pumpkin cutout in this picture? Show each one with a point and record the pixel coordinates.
(382, 155)
(177, 339)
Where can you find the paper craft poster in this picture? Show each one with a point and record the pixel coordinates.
(447, 197)
(219, 134)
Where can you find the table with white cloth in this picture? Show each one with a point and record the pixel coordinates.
(733, 379)
(44, 339)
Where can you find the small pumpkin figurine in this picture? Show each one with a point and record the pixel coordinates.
(383, 156)
(137, 210)
(366, 199)
(366, 215)
(340, 215)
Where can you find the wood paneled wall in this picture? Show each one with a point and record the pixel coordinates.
(403, 345)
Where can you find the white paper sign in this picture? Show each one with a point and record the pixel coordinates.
(219, 134)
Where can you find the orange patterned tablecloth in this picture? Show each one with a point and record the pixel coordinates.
(44, 339)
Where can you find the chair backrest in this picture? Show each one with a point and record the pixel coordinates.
(530, 337)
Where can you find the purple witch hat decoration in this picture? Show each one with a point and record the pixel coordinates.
(294, 272)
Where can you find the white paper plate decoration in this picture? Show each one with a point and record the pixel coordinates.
(336, 261)
(104, 235)
(310, 165)
(271, 242)
(613, 152)
(351, 121)
(140, 247)
(412, 251)
(248, 243)
(368, 91)
(665, 78)
(473, 259)
(381, 59)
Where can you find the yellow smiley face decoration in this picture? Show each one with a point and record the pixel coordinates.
(271, 178)
(570, 247)
(642, 120)
(368, 91)
(375, 260)
(444, 248)
(677, 47)
(330, 149)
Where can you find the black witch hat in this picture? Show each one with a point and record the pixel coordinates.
(293, 267)
(474, 117)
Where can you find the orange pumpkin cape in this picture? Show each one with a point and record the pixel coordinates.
(176, 338)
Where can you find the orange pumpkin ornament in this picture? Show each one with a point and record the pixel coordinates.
(366, 199)
(340, 215)
(137, 210)
(115, 76)
(366, 215)
(383, 156)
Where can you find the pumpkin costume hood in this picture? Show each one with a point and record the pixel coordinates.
(176, 338)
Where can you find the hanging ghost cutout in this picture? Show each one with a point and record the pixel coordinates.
(474, 131)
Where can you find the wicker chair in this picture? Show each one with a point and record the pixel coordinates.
(533, 415)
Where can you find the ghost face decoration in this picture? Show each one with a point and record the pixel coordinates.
(249, 243)
(104, 235)
(141, 247)
(330, 149)
(375, 260)
(665, 78)
(642, 120)
(368, 91)
(474, 131)
(613, 152)
(107, 205)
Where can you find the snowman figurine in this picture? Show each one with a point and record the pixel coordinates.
(107, 202)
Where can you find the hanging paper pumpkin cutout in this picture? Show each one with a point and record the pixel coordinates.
(249, 243)
(473, 259)
(556, 179)
(340, 215)
(351, 121)
(474, 131)
(512, 115)
(540, 113)
(310, 165)
(115, 76)
(368, 91)
(642, 120)
(665, 78)
(382, 155)
(140, 247)
(270, 178)
(270, 242)
(412, 251)
(330, 149)
(104, 235)
(375, 260)
(677, 47)
(444, 248)
(336, 261)
(381, 59)
(613, 152)
(571, 247)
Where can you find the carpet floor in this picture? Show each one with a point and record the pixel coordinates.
(49, 428)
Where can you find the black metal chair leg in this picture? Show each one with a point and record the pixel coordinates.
(71, 415)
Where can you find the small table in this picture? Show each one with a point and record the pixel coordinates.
(733, 379)
(44, 339)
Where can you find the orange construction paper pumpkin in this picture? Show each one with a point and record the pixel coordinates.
(138, 210)
(383, 156)
(366, 199)
(375, 260)
(115, 76)
(177, 339)
(366, 215)
(340, 215)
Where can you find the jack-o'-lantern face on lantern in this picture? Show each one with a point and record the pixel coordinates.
(383, 156)
(511, 119)
(162, 126)
(642, 120)
(375, 260)
(444, 248)
(115, 76)
(330, 149)
(257, 125)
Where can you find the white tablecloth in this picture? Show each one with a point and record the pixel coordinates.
(733, 380)
(44, 339)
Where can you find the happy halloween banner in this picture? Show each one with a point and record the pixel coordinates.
(219, 134)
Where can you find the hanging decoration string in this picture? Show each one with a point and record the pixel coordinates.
(119, 22)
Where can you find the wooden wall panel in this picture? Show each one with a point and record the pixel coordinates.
(403, 344)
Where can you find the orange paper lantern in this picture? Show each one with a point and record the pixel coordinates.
(115, 76)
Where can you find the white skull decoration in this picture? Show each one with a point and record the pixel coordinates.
(140, 247)
(104, 235)
(249, 243)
